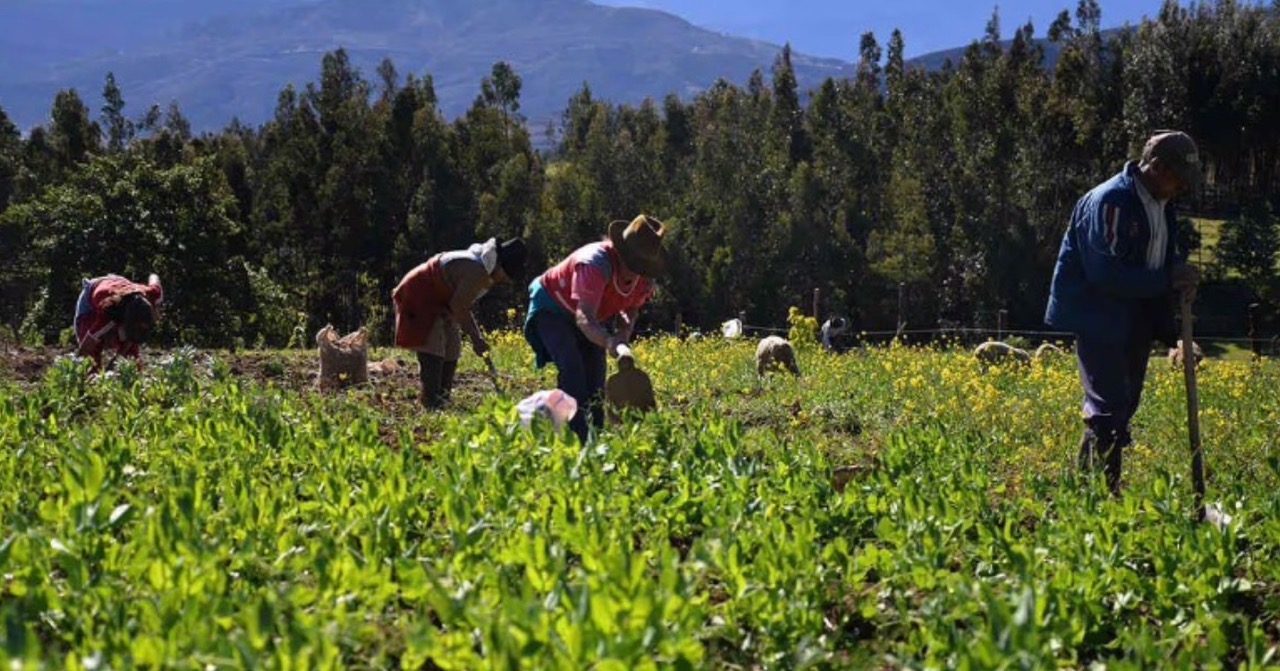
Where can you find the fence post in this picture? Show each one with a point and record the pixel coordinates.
(1254, 346)
(679, 323)
(817, 301)
(1000, 324)
(901, 290)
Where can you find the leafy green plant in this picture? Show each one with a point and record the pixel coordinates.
(179, 515)
(804, 329)
(275, 312)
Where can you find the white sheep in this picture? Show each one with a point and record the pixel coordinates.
(773, 352)
(1045, 352)
(1175, 354)
(994, 352)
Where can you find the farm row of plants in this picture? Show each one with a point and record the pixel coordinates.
(892, 507)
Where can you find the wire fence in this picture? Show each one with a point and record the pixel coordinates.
(972, 335)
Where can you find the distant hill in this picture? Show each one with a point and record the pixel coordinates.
(936, 59)
(231, 58)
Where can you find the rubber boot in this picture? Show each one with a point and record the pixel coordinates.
(1086, 460)
(578, 423)
(1103, 450)
(448, 373)
(1113, 457)
(431, 375)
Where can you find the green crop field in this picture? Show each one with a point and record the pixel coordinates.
(892, 508)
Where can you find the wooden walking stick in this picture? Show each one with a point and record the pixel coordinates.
(488, 362)
(1193, 406)
(493, 374)
(1211, 513)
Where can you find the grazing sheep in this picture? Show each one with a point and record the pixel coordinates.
(773, 352)
(1175, 354)
(1045, 352)
(995, 352)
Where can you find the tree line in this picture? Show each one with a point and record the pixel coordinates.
(932, 199)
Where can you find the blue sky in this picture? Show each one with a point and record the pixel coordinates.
(833, 27)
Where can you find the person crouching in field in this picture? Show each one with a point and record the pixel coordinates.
(571, 302)
(1117, 271)
(113, 312)
(832, 329)
(433, 308)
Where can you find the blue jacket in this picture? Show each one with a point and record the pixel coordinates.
(1101, 286)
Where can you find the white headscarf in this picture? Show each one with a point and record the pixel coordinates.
(486, 253)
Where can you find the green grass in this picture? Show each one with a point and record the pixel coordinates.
(1210, 234)
(1229, 351)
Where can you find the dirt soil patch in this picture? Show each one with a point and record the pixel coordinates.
(392, 387)
(26, 365)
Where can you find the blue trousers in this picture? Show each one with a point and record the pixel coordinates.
(580, 367)
(1113, 375)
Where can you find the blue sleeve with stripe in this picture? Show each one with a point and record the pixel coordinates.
(1107, 253)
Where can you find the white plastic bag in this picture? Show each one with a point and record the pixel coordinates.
(553, 404)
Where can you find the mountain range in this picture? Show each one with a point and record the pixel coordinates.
(231, 59)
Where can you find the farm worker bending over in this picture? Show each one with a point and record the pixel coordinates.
(832, 329)
(433, 307)
(1118, 269)
(571, 302)
(114, 312)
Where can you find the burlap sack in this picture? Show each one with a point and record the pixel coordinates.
(343, 361)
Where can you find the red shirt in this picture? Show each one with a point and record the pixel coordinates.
(589, 275)
(421, 297)
(96, 330)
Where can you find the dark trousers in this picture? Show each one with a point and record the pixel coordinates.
(436, 376)
(580, 368)
(1112, 375)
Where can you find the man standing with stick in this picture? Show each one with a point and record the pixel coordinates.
(1118, 268)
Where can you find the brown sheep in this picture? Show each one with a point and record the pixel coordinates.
(994, 352)
(1175, 355)
(773, 352)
